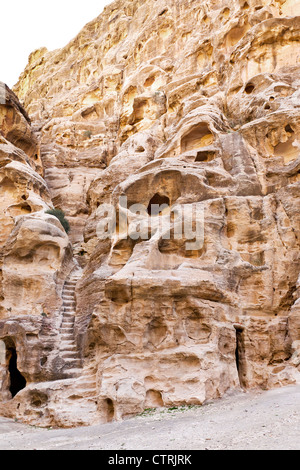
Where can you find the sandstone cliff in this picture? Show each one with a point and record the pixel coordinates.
(193, 103)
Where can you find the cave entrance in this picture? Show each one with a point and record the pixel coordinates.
(158, 204)
(109, 410)
(240, 355)
(17, 381)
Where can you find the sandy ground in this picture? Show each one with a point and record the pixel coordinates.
(242, 421)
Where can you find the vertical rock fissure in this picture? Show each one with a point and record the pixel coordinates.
(240, 357)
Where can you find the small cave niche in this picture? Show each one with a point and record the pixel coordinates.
(43, 360)
(287, 150)
(122, 252)
(158, 204)
(149, 82)
(17, 381)
(235, 35)
(38, 399)
(225, 13)
(140, 106)
(199, 136)
(288, 129)
(249, 88)
(130, 95)
(204, 156)
(20, 209)
(154, 399)
(108, 410)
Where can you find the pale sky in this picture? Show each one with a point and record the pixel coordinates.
(26, 25)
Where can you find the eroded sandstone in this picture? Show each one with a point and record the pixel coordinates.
(195, 104)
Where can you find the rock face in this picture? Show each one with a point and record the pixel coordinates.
(194, 104)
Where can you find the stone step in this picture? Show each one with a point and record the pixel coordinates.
(71, 363)
(65, 334)
(66, 343)
(67, 296)
(73, 372)
(72, 360)
(69, 355)
(69, 350)
(67, 324)
(66, 330)
(64, 346)
(68, 347)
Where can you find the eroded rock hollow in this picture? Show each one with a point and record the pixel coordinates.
(185, 104)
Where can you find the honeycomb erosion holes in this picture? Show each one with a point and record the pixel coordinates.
(191, 105)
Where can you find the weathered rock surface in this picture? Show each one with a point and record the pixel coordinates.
(35, 253)
(194, 103)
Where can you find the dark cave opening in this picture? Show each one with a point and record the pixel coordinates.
(17, 381)
(110, 410)
(157, 204)
(240, 356)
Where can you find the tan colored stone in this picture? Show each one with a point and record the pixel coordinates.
(193, 103)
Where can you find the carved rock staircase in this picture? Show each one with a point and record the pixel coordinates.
(82, 388)
(68, 348)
